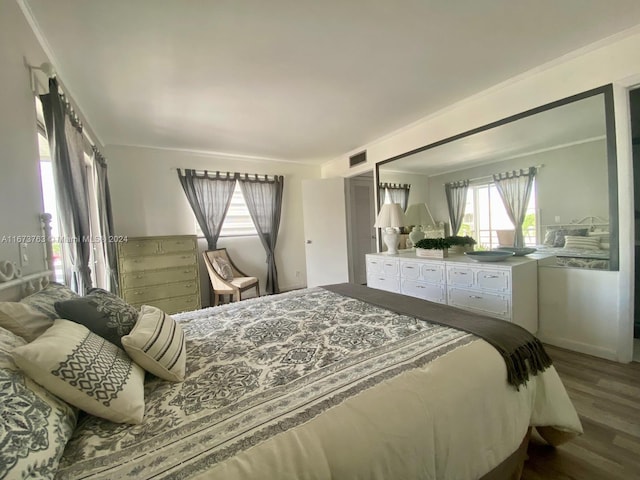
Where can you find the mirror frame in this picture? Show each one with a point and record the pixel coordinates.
(612, 161)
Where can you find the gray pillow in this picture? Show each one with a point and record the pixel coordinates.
(102, 312)
(563, 232)
(44, 300)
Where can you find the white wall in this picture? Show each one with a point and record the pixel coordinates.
(613, 61)
(20, 192)
(148, 200)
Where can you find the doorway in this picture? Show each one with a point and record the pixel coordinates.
(361, 237)
(634, 103)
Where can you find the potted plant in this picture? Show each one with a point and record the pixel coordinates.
(460, 244)
(432, 247)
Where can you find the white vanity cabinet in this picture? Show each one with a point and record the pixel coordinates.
(507, 290)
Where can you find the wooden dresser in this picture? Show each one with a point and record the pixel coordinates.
(160, 271)
(506, 290)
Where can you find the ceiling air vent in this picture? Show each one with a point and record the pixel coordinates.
(358, 158)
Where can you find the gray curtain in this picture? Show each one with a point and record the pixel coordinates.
(105, 215)
(264, 201)
(398, 193)
(64, 133)
(209, 197)
(515, 189)
(456, 194)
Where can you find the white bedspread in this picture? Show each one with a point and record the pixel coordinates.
(317, 386)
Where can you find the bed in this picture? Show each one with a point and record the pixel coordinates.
(582, 243)
(316, 383)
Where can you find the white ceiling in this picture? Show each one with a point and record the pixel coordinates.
(298, 80)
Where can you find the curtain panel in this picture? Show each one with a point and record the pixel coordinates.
(394, 193)
(264, 202)
(209, 196)
(456, 194)
(64, 133)
(105, 223)
(515, 189)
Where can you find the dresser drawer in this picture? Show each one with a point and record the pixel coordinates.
(391, 284)
(491, 304)
(460, 276)
(138, 246)
(426, 291)
(171, 245)
(432, 273)
(173, 305)
(157, 292)
(498, 280)
(410, 270)
(158, 277)
(136, 264)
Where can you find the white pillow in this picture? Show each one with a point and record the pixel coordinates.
(85, 370)
(23, 320)
(157, 344)
(35, 425)
(581, 243)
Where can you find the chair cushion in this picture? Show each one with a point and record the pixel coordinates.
(222, 268)
(242, 282)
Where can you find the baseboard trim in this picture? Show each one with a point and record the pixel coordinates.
(580, 347)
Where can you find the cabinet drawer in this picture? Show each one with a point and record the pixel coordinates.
(173, 305)
(157, 277)
(426, 291)
(432, 273)
(459, 276)
(374, 265)
(157, 292)
(170, 245)
(139, 246)
(391, 284)
(492, 304)
(410, 270)
(498, 280)
(136, 264)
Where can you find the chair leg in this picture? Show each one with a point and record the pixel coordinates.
(235, 296)
(257, 288)
(216, 299)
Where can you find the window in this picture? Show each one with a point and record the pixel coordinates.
(237, 222)
(485, 214)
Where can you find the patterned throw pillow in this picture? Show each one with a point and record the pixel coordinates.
(101, 312)
(156, 343)
(45, 299)
(23, 320)
(223, 268)
(550, 237)
(581, 243)
(35, 425)
(85, 370)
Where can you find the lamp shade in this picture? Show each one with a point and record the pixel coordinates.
(419, 214)
(391, 215)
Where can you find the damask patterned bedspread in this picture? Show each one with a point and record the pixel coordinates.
(254, 369)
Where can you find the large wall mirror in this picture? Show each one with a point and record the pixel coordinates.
(571, 144)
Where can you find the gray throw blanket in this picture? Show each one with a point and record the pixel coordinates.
(522, 352)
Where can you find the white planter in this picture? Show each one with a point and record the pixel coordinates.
(429, 253)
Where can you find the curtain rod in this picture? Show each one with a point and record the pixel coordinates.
(490, 177)
(49, 70)
(230, 174)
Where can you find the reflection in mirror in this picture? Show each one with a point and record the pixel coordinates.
(552, 170)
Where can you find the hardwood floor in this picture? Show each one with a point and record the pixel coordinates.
(607, 397)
